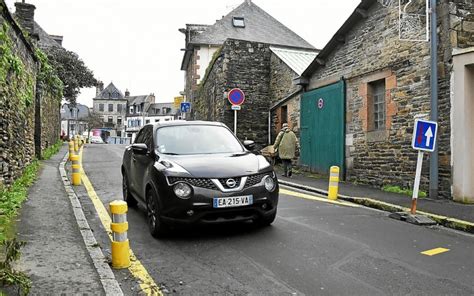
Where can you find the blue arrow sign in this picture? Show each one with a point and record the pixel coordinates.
(424, 135)
(185, 107)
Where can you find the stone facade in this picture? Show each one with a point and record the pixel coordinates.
(372, 52)
(29, 117)
(245, 65)
(17, 121)
(281, 87)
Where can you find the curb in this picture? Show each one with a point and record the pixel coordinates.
(107, 278)
(448, 222)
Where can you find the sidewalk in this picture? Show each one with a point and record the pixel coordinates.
(377, 198)
(55, 257)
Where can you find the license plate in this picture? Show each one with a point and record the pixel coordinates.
(233, 201)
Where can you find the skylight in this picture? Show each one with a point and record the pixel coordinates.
(238, 22)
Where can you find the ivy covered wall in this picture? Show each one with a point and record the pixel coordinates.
(30, 95)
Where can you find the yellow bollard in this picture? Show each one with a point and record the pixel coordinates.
(119, 227)
(333, 183)
(76, 144)
(76, 168)
(71, 149)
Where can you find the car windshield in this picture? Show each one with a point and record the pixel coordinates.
(196, 139)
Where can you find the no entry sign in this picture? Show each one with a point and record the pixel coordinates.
(236, 96)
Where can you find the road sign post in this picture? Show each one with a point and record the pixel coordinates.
(236, 97)
(424, 139)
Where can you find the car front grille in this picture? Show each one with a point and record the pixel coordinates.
(197, 182)
(254, 179)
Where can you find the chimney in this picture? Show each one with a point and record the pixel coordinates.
(99, 88)
(127, 93)
(25, 13)
(249, 2)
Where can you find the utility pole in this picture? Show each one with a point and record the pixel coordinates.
(433, 192)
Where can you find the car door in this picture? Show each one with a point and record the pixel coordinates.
(133, 175)
(141, 162)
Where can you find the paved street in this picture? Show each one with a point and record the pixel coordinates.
(313, 248)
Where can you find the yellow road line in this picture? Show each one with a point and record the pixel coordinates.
(147, 284)
(435, 251)
(313, 197)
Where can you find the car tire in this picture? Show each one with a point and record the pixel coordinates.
(266, 220)
(127, 196)
(157, 228)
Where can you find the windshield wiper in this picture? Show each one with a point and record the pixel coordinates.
(170, 153)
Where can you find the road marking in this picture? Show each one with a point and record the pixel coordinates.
(147, 284)
(435, 251)
(322, 199)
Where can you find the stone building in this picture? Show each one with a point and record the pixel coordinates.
(29, 114)
(247, 22)
(111, 105)
(74, 119)
(365, 87)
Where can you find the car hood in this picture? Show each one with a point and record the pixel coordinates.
(219, 165)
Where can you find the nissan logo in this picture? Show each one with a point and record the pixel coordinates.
(230, 183)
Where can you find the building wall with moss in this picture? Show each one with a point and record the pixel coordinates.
(18, 68)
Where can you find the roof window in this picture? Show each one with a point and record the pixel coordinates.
(238, 22)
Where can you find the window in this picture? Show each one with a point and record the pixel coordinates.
(111, 107)
(284, 114)
(119, 120)
(101, 107)
(110, 119)
(147, 121)
(157, 111)
(119, 134)
(157, 120)
(377, 90)
(238, 22)
(131, 109)
(119, 108)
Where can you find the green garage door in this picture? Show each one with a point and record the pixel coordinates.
(322, 128)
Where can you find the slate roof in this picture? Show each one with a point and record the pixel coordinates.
(136, 100)
(161, 106)
(259, 27)
(45, 40)
(298, 60)
(111, 92)
(83, 111)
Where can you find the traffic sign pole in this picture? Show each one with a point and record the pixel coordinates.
(235, 122)
(416, 186)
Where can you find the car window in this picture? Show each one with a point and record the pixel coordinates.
(139, 138)
(196, 139)
(148, 136)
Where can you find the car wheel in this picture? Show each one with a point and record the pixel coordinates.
(127, 196)
(156, 226)
(265, 220)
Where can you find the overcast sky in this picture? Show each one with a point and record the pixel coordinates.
(136, 44)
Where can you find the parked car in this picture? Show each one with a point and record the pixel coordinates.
(197, 172)
(96, 140)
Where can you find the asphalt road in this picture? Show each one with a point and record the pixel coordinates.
(313, 248)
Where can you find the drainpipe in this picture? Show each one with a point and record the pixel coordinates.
(433, 192)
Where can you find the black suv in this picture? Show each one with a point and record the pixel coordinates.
(188, 172)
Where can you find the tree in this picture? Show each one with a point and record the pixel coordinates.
(71, 70)
(94, 120)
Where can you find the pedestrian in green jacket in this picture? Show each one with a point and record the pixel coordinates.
(286, 144)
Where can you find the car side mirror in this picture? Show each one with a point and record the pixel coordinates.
(140, 148)
(249, 144)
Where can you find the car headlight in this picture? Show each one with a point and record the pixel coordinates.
(269, 183)
(182, 190)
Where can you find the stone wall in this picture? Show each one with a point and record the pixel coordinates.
(50, 120)
(17, 102)
(245, 65)
(372, 51)
(281, 86)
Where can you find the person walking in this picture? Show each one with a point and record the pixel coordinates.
(286, 145)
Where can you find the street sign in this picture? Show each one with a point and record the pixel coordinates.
(185, 107)
(236, 96)
(236, 107)
(178, 101)
(424, 135)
